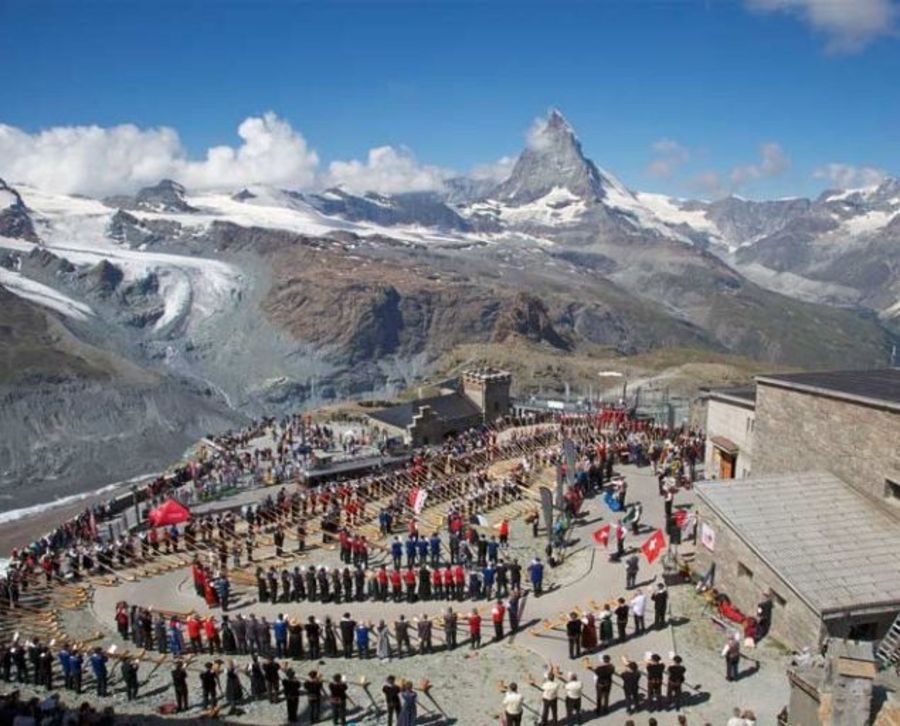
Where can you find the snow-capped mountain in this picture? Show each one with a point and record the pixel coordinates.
(554, 186)
(843, 247)
(167, 196)
(426, 209)
(15, 220)
(553, 160)
(264, 298)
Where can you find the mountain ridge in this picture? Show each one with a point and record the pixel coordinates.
(268, 300)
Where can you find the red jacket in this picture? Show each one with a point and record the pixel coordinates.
(193, 628)
(475, 624)
(459, 575)
(497, 613)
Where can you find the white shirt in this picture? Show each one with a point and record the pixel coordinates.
(638, 604)
(550, 690)
(512, 703)
(573, 689)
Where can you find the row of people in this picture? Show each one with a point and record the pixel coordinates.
(268, 680)
(311, 638)
(452, 582)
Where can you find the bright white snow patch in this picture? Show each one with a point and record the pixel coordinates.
(869, 222)
(7, 199)
(558, 206)
(669, 211)
(41, 294)
(892, 312)
(175, 290)
(846, 193)
(274, 209)
(75, 228)
(641, 216)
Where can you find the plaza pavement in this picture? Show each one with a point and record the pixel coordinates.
(586, 576)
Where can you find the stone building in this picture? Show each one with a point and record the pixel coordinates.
(826, 552)
(836, 689)
(845, 422)
(479, 396)
(729, 426)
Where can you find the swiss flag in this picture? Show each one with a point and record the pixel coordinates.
(653, 546)
(601, 536)
(679, 517)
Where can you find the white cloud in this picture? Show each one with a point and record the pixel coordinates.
(848, 176)
(93, 160)
(387, 170)
(773, 162)
(497, 171)
(536, 137)
(715, 184)
(271, 153)
(710, 184)
(669, 157)
(540, 134)
(848, 25)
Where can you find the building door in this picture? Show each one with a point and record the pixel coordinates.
(726, 465)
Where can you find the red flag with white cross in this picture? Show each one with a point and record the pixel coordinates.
(601, 536)
(653, 546)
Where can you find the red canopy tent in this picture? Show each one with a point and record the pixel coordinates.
(169, 512)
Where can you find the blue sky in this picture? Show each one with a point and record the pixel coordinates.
(458, 83)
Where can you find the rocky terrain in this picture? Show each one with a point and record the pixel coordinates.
(162, 315)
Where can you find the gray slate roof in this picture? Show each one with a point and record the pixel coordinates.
(879, 386)
(449, 407)
(743, 395)
(830, 544)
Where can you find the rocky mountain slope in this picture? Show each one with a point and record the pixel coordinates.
(199, 308)
(841, 248)
(74, 416)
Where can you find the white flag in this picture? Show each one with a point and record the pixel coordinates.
(419, 502)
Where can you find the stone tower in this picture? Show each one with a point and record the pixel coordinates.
(488, 388)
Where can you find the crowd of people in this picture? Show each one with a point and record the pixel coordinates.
(51, 711)
(451, 564)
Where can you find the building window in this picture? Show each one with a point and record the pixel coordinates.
(744, 571)
(777, 599)
(891, 489)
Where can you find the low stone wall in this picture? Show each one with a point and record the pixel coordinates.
(793, 621)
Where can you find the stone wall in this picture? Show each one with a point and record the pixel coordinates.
(734, 422)
(489, 391)
(798, 431)
(428, 428)
(793, 621)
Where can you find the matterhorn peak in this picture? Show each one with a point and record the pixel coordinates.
(553, 130)
(556, 120)
(552, 159)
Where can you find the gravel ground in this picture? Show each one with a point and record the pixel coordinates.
(466, 683)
